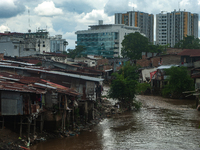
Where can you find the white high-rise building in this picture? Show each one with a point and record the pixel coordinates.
(172, 27)
(139, 19)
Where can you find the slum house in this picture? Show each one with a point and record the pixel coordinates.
(55, 98)
(150, 60)
(115, 63)
(85, 85)
(71, 68)
(189, 57)
(27, 59)
(145, 74)
(104, 65)
(195, 74)
(91, 62)
(58, 57)
(18, 104)
(158, 79)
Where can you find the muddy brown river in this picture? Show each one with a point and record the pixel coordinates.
(160, 124)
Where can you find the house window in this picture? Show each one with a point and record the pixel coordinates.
(15, 46)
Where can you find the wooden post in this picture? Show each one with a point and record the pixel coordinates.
(20, 134)
(65, 107)
(86, 112)
(197, 100)
(34, 126)
(64, 119)
(62, 122)
(2, 122)
(68, 119)
(29, 126)
(15, 123)
(41, 123)
(73, 119)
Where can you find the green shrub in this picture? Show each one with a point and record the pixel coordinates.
(142, 87)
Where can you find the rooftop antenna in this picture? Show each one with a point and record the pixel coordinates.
(179, 5)
(29, 30)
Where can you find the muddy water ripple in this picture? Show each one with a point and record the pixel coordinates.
(161, 124)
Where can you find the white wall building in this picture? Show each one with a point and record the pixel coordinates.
(31, 43)
(172, 27)
(104, 39)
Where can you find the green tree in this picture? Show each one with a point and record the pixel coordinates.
(188, 42)
(123, 87)
(72, 53)
(133, 45)
(157, 48)
(178, 80)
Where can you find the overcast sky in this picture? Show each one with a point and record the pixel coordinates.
(67, 16)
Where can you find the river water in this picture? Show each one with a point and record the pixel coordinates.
(160, 124)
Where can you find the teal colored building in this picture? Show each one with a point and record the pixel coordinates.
(104, 40)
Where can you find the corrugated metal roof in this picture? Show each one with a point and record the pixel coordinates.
(18, 62)
(77, 76)
(166, 66)
(58, 73)
(32, 83)
(18, 87)
(190, 52)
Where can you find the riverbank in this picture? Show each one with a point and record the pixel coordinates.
(160, 124)
(11, 141)
(104, 109)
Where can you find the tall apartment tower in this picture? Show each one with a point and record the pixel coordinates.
(172, 27)
(142, 20)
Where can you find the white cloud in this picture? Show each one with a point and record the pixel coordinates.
(132, 5)
(9, 3)
(4, 28)
(94, 16)
(47, 8)
(67, 19)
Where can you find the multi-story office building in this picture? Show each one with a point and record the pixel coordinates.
(172, 27)
(139, 19)
(57, 44)
(30, 43)
(104, 39)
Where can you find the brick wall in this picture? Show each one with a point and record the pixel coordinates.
(171, 59)
(103, 64)
(173, 50)
(143, 62)
(155, 61)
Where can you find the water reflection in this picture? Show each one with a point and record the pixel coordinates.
(152, 128)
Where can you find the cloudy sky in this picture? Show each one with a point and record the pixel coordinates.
(67, 16)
